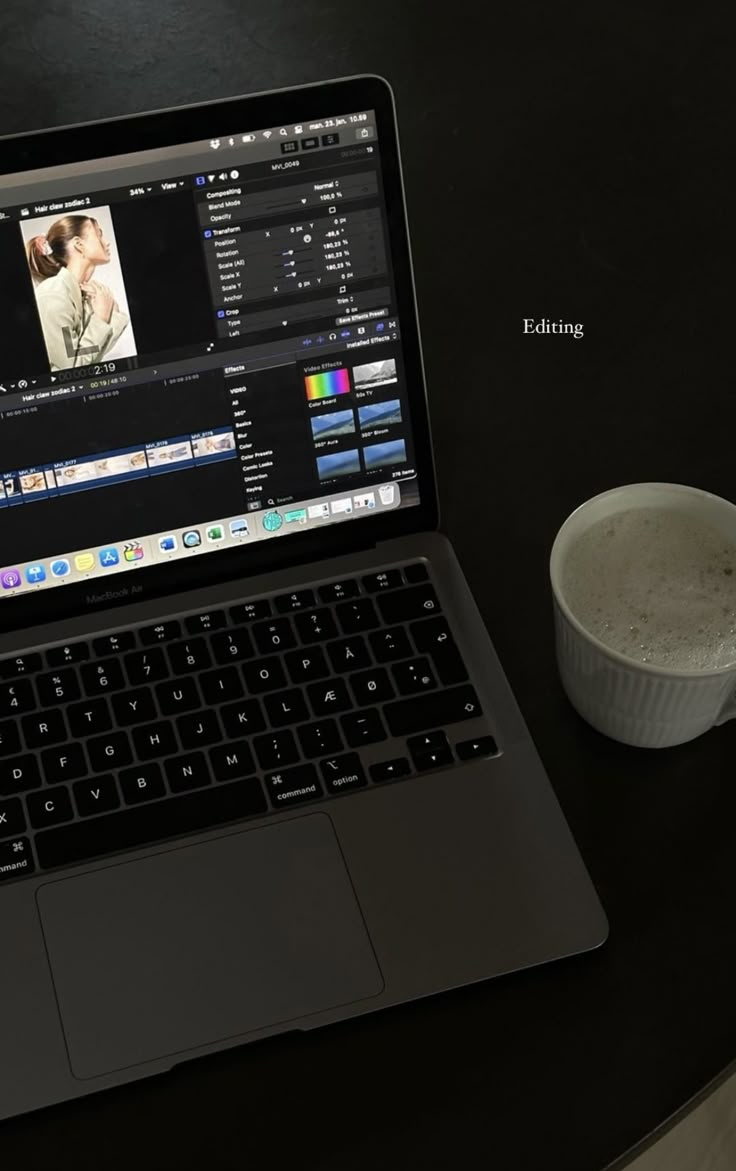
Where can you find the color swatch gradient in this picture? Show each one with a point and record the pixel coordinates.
(327, 385)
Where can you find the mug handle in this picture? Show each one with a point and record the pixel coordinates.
(728, 711)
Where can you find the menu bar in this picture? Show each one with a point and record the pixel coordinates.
(251, 146)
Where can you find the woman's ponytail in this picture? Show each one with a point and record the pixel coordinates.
(47, 254)
(41, 259)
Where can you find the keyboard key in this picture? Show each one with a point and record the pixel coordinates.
(146, 666)
(431, 634)
(154, 740)
(160, 632)
(49, 808)
(434, 637)
(276, 749)
(372, 686)
(143, 783)
(416, 572)
(85, 719)
(266, 675)
(16, 858)
(190, 655)
(232, 645)
(388, 579)
(292, 786)
(472, 749)
(16, 698)
(61, 656)
(66, 762)
(329, 697)
(20, 665)
(390, 770)
(200, 623)
(404, 605)
(438, 709)
(134, 707)
(188, 772)
(100, 677)
(12, 819)
(9, 738)
(338, 591)
(320, 738)
(306, 665)
(177, 696)
(438, 758)
(349, 654)
(18, 774)
(286, 707)
(147, 823)
(427, 742)
(365, 727)
(388, 645)
(317, 626)
(232, 760)
(110, 751)
(58, 686)
(299, 600)
(95, 796)
(342, 773)
(358, 615)
(44, 728)
(198, 729)
(114, 644)
(416, 675)
(276, 635)
(221, 684)
(243, 719)
(251, 611)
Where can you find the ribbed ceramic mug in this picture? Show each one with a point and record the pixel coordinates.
(635, 702)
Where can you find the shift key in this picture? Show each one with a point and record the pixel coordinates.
(435, 710)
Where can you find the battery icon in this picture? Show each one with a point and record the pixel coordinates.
(249, 138)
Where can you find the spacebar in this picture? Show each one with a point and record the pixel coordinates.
(149, 823)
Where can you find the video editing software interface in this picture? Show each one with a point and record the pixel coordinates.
(199, 349)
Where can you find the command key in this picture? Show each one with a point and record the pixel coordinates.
(16, 858)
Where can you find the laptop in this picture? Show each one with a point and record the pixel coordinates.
(260, 768)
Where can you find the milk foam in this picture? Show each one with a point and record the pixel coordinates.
(658, 586)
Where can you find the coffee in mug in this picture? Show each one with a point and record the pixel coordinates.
(644, 586)
(658, 586)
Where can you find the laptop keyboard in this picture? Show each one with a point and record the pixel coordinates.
(161, 730)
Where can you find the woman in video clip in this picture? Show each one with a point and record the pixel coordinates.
(80, 318)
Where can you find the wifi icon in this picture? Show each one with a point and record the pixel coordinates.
(210, 178)
(267, 133)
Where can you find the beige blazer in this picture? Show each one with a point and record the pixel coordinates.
(74, 335)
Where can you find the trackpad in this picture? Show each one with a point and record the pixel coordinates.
(204, 942)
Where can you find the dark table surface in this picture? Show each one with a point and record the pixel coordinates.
(560, 161)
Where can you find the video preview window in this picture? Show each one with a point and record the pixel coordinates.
(80, 291)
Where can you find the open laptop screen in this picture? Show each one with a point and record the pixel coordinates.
(201, 350)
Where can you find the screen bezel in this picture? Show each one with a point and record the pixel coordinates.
(185, 124)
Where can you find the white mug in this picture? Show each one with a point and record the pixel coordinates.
(635, 702)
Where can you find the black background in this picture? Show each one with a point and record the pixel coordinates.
(570, 161)
(164, 271)
(22, 349)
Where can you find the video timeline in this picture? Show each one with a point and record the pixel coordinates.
(117, 466)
